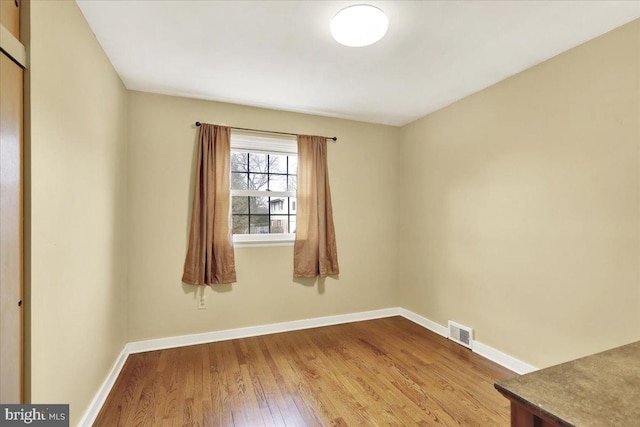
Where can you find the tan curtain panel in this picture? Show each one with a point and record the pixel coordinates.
(315, 252)
(210, 257)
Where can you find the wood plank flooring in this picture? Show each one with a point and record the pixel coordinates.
(384, 372)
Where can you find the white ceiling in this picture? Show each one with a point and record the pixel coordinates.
(280, 54)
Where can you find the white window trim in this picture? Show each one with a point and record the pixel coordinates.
(258, 193)
(263, 144)
(261, 240)
(241, 141)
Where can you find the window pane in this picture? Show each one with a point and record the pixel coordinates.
(292, 181)
(238, 181)
(278, 182)
(259, 224)
(259, 205)
(278, 205)
(240, 162)
(279, 224)
(240, 205)
(258, 181)
(263, 172)
(240, 224)
(293, 165)
(258, 162)
(277, 164)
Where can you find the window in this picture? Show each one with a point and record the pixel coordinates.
(263, 189)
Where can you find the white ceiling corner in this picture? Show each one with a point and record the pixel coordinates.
(280, 54)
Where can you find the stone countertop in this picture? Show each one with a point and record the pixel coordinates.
(601, 390)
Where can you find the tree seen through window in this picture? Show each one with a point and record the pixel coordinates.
(263, 192)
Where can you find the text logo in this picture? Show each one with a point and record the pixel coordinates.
(34, 415)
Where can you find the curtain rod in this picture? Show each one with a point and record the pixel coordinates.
(333, 138)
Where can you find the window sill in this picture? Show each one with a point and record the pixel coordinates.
(262, 240)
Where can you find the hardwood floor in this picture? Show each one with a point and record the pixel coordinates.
(384, 372)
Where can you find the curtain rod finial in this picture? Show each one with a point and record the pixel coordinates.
(198, 123)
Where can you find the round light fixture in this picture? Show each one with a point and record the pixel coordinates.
(359, 25)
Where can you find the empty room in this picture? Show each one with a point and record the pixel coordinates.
(315, 213)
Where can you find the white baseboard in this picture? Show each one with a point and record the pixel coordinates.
(516, 365)
(104, 390)
(184, 340)
(424, 322)
(254, 331)
(483, 350)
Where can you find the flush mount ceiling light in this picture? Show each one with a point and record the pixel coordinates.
(359, 25)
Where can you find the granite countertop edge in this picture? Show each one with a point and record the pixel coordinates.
(512, 396)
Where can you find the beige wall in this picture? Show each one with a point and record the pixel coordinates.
(518, 211)
(77, 202)
(521, 206)
(363, 171)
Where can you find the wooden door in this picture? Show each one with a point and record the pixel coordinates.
(11, 250)
(10, 16)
